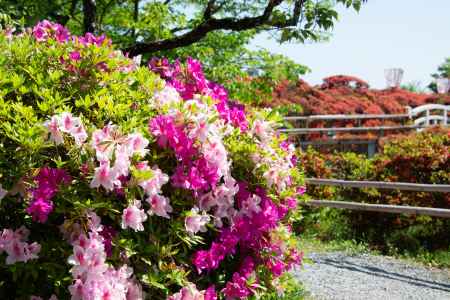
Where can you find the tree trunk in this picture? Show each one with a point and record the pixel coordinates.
(135, 17)
(89, 12)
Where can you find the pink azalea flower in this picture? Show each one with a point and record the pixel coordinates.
(3, 192)
(93, 277)
(133, 216)
(263, 130)
(215, 153)
(122, 162)
(160, 206)
(237, 288)
(15, 245)
(75, 56)
(79, 134)
(301, 190)
(105, 176)
(39, 209)
(251, 205)
(65, 123)
(103, 142)
(189, 292)
(196, 222)
(153, 185)
(53, 128)
(137, 143)
(134, 291)
(167, 96)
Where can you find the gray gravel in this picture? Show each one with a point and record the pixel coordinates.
(338, 275)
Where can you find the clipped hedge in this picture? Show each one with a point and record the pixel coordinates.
(125, 182)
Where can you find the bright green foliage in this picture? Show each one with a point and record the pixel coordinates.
(225, 54)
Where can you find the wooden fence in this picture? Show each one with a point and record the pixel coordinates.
(402, 186)
(429, 211)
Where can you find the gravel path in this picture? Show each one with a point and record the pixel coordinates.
(338, 275)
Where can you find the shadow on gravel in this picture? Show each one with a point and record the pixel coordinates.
(390, 275)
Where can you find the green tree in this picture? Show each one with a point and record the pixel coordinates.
(216, 31)
(148, 26)
(443, 71)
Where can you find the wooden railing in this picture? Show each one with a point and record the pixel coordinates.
(429, 211)
(394, 209)
(402, 186)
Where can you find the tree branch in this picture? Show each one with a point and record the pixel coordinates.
(212, 24)
(209, 10)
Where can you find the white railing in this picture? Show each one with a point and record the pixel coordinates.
(422, 116)
(435, 114)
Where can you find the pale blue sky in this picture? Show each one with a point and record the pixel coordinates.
(410, 34)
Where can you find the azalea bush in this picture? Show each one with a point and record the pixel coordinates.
(343, 94)
(417, 158)
(125, 182)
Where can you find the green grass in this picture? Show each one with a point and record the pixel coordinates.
(326, 230)
(437, 259)
(310, 243)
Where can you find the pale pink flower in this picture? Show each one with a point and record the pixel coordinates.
(3, 192)
(134, 291)
(188, 292)
(137, 143)
(133, 216)
(105, 176)
(251, 205)
(93, 277)
(196, 222)
(160, 206)
(277, 176)
(15, 245)
(103, 142)
(153, 185)
(263, 130)
(79, 134)
(215, 153)
(66, 123)
(166, 97)
(207, 201)
(53, 128)
(122, 162)
(200, 131)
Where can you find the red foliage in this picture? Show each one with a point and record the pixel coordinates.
(348, 95)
